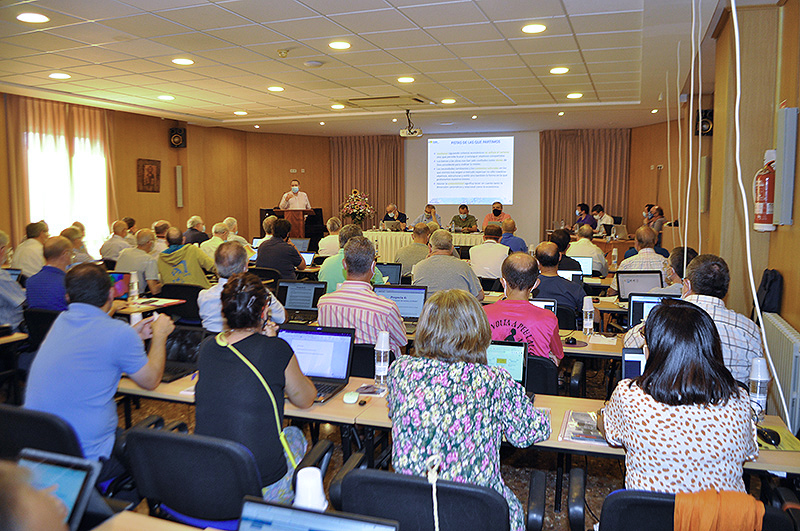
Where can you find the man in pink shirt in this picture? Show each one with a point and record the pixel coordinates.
(516, 319)
(355, 305)
(496, 216)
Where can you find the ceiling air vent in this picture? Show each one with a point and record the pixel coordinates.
(402, 102)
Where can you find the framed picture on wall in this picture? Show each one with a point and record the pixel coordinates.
(148, 175)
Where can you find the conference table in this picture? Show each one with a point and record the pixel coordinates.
(132, 521)
(387, 243)
(8, 347)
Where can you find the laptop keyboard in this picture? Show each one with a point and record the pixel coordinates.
(302, 316)
(172, 373)
(411, 328)
(325, 389)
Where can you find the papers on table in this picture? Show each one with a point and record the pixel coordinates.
(600, 339)
(189, 391)
(581, 426)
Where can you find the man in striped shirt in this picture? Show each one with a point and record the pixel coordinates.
(355, 305)
(646, 259)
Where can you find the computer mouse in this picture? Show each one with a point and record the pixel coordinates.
(768, 435)
(570, 341)
(350, 398)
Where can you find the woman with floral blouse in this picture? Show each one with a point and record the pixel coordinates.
(444, 400)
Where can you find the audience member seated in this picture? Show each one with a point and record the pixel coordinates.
(442, 271)
(393, 214)
(657, 221)
(428, 216)
(659, 250)
(267, 225)
(487, 258)
(329, 245)
(279, 252)
(116, 243)
(23, 508)
(496, 216)
(183, 263)
(233, 232)
(141, 260)
(585, 247)
(332, 269)
(45, 290)
(685, 424)
(195, 231)
(82, 251)
(355, 305)
(446, 393)
(230, 259)
(562, 239)
(646, 259)
(12, 296)
(600, 216)
(464, 221)
(78, 256)
(220, 234)
(568, 294)
(160, 228)
(646, 216)
(244, 412)
(516, 319)
(582, 211)
(706, 284)
(414, 252)
(28, 256)
(675, 270)
(130, 235)
(77, 370)
(515, 243)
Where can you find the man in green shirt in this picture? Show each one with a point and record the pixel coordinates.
(464, 221)
(332, 271)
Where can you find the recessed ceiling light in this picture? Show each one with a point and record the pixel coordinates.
(32, 18)
(474, 116)
(337, 106)
(534, 28)
(339, 45)
(559, 70)
(166, 97)
(257, 126)
(59, 75)
(574, 95)
(448, 101)
(406, 79)
(183, 61)
(654, 111)
(240, 113)
(275, 89)
(322, 123)
(394, 119)
(561, 113)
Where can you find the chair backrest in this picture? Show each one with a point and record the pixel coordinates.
(362, 363)
(188, 312)
(194, 475)
(463, 251)
(566, 318)
(39, 322)
(267, 274)
(542, 376)
(109, 264)
(317, 261)
(617, 220)
(25, 428)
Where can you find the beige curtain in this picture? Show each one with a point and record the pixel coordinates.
(371, 164)
(583, 166)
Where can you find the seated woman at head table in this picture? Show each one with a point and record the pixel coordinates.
(685, 423)
(445, 401)
(232, 402)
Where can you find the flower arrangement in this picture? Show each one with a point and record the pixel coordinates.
(357, 207)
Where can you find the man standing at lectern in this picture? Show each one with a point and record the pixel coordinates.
(295, 199)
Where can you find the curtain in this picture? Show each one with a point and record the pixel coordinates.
(583, 166)
(373, 165)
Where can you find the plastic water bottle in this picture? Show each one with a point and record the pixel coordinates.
(588, 316)
(614, 255)
(759, 384)
(133, 288)
(382, 358)
(452, 226)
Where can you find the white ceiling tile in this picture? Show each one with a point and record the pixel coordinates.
(463, 75)
(631, 20)
(380, 90)
(399, 39)
(247, 35)
(294, 76)
(28, 79)
(342, 73)
(9, 14)
(444, 14)
(520, 9)
(204, 17)
(544, 71)
(552, 59)
(465, 33)
(505, 73)
(42, 41)
(92, 54)
(439, 65)
(233, 55)
(505, 61)
(370, 57)
(192, 42)
(422, 53)
(481, 49)
(309, 28)
(136, 79)
(262, 11)
(373, 21)
(598, 41)
(326, 7)
(18, 67)
(97, 71)
(578, 7)
(617, 85)
(91, 33)
(511, 84)
(392, 69)
(177, 76)
(53, 60)
(218, 71)
(146, 25)
(142, 48)
(340, 93)
(543, 44)
(316, 84)
(568, 80)
(616, 76)
(512, 29)
(265, 67)
(297, 51)
(89, 9)
(613, 66)
(613, 54)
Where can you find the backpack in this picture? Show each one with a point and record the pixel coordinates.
(770, 291)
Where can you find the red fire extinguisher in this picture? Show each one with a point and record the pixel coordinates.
(764, 195)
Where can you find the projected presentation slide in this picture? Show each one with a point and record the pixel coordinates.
(473, 171)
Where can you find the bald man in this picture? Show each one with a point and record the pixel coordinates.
(645, 259)
(515, 243)
(45, 290)
(568, 294)
(116, 243)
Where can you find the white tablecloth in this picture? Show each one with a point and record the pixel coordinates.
(388, 243)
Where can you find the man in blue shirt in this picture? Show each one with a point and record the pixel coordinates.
(45, 290)
(78, 367)
(516, 243)
(551, 286)
(12, 296)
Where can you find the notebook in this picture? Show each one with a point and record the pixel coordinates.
(546, 304)
(301, 244)
(586, 264)
(633, 362)
(121, 283)
(73, 478)
(511, 356)
(323, 353)
(258, 515)
(300, 298)
(13, 273)
(637, 282)
(409, 299)
(640, 305)
(308, 258)
(390, 271)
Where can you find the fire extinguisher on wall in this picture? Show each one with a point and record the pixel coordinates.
(764, 196)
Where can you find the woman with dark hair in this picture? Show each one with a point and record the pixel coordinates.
(446, 403)
(235, 369)
(685, 423)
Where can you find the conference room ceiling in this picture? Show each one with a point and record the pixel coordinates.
(620, 54)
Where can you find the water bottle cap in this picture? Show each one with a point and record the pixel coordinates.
(759, 370)
(588, 305)
(382, 342)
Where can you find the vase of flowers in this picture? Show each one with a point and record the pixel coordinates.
(356, 207)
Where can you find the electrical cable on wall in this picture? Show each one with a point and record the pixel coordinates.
(699, 127)
(689, 174)
(669, 145)
(680, 138)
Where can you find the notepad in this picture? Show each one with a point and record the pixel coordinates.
(581, 426)
(599, 339)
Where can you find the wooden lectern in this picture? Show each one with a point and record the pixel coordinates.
(295, 216)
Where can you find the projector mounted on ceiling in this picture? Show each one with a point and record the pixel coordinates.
(410, 131)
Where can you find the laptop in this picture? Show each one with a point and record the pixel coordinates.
(619, 232)
(260, 515)
(511, 356)
(308, 258)
(13, 273)
(300, 298)
(546, 304)
(72, 477)
(121, 282)
(410, 301)
(390, 271)
(392, 226)
(637, 282)
(607, 228)
(323, 353)
(586, 264)
(301, 244)
(572, 276)
(633, 362)
(640, 305)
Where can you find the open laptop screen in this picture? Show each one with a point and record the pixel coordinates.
(321, 351)
(257, 242)
(586, 264)
(301, 244)
(300, 295)
(640, 305)
(307, 258)
(637, 282)
(633, 362)
(13, 273)
(121, 283)
(409, 299)
(572, 276)
(545, 304)
(258, 515)
(391, 271)
(509, 355)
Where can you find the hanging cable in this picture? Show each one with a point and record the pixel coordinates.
(689, 141)
(669, 147)
(680, 138)
(432, 471)
(699, 124)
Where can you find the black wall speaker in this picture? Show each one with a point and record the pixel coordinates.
(704, 124)
(177, 137)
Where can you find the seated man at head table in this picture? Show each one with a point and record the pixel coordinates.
(279, 252)
(393, 214)
(140, 260)
(414, 252)
(332, 270)
(428, 216)
(160, 227)
(515, 243)
(705, 285)
(230, 258)
(183, 263)
(79, 254)
(329, 245)
(496, 216)
(464, 221)
(582, 211)
(195, 230)
(646, 258)
(28, 256)
(355, 305)
(117, 242)
(563, 240)
(568, 294)
(220, 234)
(584, 247)
(12, 296)
(77, 369)
(486, 258)
(45, 290)
(599, 214)
(442, 271)
(516, 319)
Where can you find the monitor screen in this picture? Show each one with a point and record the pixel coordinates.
(257, 242)
(545, 304)
(258, 515)
(586, 264)
(301, 244)
(390, 271)
(572, 276)
(322, 352)
(633, 362)
(121, 283)
(409, 299)
(299, 295)
(641, 304)
(510, 356)
(637, 282)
